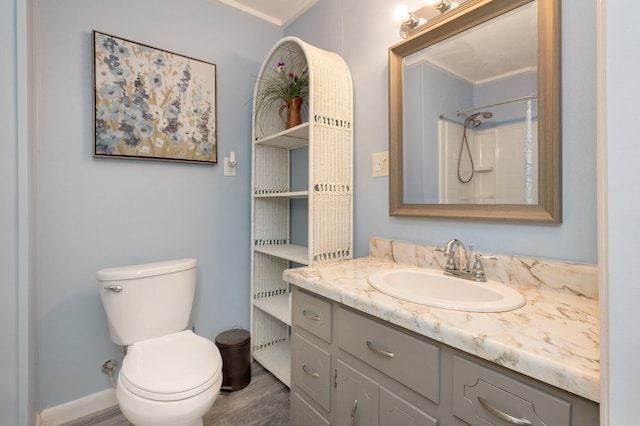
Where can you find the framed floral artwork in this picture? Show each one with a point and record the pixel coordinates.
(152, 104)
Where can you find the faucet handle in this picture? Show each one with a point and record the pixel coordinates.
(480, 256)
(478, 268)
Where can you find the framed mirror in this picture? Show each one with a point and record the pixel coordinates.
(475, 114)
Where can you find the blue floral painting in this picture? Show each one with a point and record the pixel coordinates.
(152, 104)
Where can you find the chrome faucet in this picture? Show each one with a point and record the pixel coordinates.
(450, 249)
(462, 266)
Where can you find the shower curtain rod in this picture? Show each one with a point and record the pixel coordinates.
(492, 105)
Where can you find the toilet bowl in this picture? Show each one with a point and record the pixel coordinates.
(170, 380)
(170, 376)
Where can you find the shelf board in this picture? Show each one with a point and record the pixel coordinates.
(292, 252)
(295, 137)
(276, 306)
(276, 359)
(296, 194)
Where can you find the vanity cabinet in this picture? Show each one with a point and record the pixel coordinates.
(350, 368)
(301, 191)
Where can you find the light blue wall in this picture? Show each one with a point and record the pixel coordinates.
(8, 216)
(362, 31)
(97, 213)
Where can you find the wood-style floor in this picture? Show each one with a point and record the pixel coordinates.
(265, 401)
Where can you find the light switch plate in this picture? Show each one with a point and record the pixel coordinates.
(380, 164)
(228, 169)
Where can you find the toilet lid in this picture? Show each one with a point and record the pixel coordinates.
(171, 367)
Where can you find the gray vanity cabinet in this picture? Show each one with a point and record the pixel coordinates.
(350, 368)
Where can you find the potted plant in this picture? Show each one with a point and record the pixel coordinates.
(287, 86)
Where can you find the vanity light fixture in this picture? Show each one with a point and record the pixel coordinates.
(441, 5)
(410, 21)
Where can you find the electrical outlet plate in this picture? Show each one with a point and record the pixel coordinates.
(380, 164)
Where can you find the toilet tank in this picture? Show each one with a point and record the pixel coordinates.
(147, 300)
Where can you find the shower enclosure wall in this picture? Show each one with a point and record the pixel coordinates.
(504, 166)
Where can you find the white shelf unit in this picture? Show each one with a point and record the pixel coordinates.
(327, 187)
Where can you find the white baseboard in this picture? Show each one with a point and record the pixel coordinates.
(73, 410)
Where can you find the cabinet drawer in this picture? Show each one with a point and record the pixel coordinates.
(410, 361)
(311, 371)
(312, 314)
(481, 395)
(304, 414)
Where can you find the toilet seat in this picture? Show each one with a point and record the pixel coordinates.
(172, 367)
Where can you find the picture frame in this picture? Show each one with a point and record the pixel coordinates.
(152, 104)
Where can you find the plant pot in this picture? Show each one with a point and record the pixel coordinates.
(293, 107)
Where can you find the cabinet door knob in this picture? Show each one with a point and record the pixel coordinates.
(311, 315)
(381, 352)
(309, 372)
(502, 415)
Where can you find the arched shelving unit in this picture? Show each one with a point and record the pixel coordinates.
(323, 144)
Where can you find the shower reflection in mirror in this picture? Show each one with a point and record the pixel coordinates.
(484, 155)
(489, 155)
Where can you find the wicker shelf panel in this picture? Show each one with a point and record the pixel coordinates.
(293, 138)
(277, 360)
(288, 195)
(292, 252)
(276, 306)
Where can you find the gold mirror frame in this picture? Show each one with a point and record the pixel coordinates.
(468, 15)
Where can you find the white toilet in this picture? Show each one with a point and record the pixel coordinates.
(169, 376)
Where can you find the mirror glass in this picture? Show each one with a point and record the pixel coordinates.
(470, 119)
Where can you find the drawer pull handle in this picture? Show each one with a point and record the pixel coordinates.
(385, 354)
(502, 415)
(309, 372)
(311, 315)
(353, 412)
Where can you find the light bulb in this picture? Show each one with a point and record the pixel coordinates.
(401, 13)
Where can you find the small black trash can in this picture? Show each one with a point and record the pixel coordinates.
(236, 358)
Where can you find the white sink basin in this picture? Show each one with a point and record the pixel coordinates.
(433, 288)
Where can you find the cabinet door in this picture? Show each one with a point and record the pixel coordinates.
(395, 411)
(357, 398)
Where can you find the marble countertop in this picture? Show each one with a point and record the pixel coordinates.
(553, 338)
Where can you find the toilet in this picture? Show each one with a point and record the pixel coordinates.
(169, 375)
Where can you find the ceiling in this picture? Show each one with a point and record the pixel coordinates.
(278, 12)
(502, 47)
